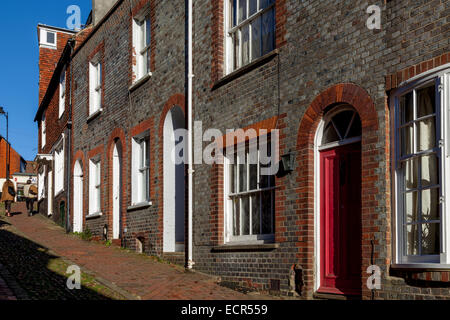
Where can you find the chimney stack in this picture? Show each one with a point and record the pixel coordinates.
(100, 8)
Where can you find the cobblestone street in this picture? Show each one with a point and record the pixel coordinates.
(37, 252)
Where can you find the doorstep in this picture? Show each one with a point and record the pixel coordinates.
(332, 296)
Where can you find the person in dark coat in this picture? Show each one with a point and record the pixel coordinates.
(8, 196)
(30, 192)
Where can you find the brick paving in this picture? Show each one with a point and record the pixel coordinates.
(141, 276)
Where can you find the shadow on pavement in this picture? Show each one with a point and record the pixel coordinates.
(28, 262)
(4, 223)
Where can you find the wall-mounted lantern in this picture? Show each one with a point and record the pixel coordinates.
(288, 162)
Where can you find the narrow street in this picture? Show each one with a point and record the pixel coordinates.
(36, 252)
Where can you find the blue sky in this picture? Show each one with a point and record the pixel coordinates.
(19, 69)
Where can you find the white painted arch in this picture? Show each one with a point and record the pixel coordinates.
(117, 189)
(174, 185)
(78, 197)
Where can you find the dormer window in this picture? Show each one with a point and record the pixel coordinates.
(51, 39)
(48, 38)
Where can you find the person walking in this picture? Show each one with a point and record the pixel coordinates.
(30, 192)
(8, 196)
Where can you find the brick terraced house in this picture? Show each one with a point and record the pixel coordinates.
(9, 155)
(362, 121)
(54, 120)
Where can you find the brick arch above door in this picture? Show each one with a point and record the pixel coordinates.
(117, 136)
(360, 100)
(345, 93)
(176, 100)
(78, 156)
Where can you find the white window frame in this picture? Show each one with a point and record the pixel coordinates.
(95, 182)
(62, 92)
(441, 77)
(231, 31)
(43, 131)
(41, 183)
(95, 85)
(140, 170)
(59, 167)
(44, 39)
(141, 48)
(228, 202)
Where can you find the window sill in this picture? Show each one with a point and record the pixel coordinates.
(140, 82)
(94, 115)
(421, 267)
(245, 69)
(94, 215)
(246, 247)
(139, 206)
(48, 46)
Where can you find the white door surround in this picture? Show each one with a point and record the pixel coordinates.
(117, 189)
(174, 185)
(78, 197)
(50, 193)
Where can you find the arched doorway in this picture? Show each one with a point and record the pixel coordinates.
(338, 182)
(78, 197)
(174, 184)
(117, 189)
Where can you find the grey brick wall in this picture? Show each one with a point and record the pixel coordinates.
(325, 43)
(124, 109)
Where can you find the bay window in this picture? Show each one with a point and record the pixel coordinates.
(421, 187)
(249, 196)
(250, 31)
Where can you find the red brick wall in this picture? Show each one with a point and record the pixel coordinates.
(48, 58)
(14, 159)
(394, 80)
(55, 125)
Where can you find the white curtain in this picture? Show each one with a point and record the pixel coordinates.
(426, 140)
(429, 176)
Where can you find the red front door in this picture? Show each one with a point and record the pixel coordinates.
(340, 233)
